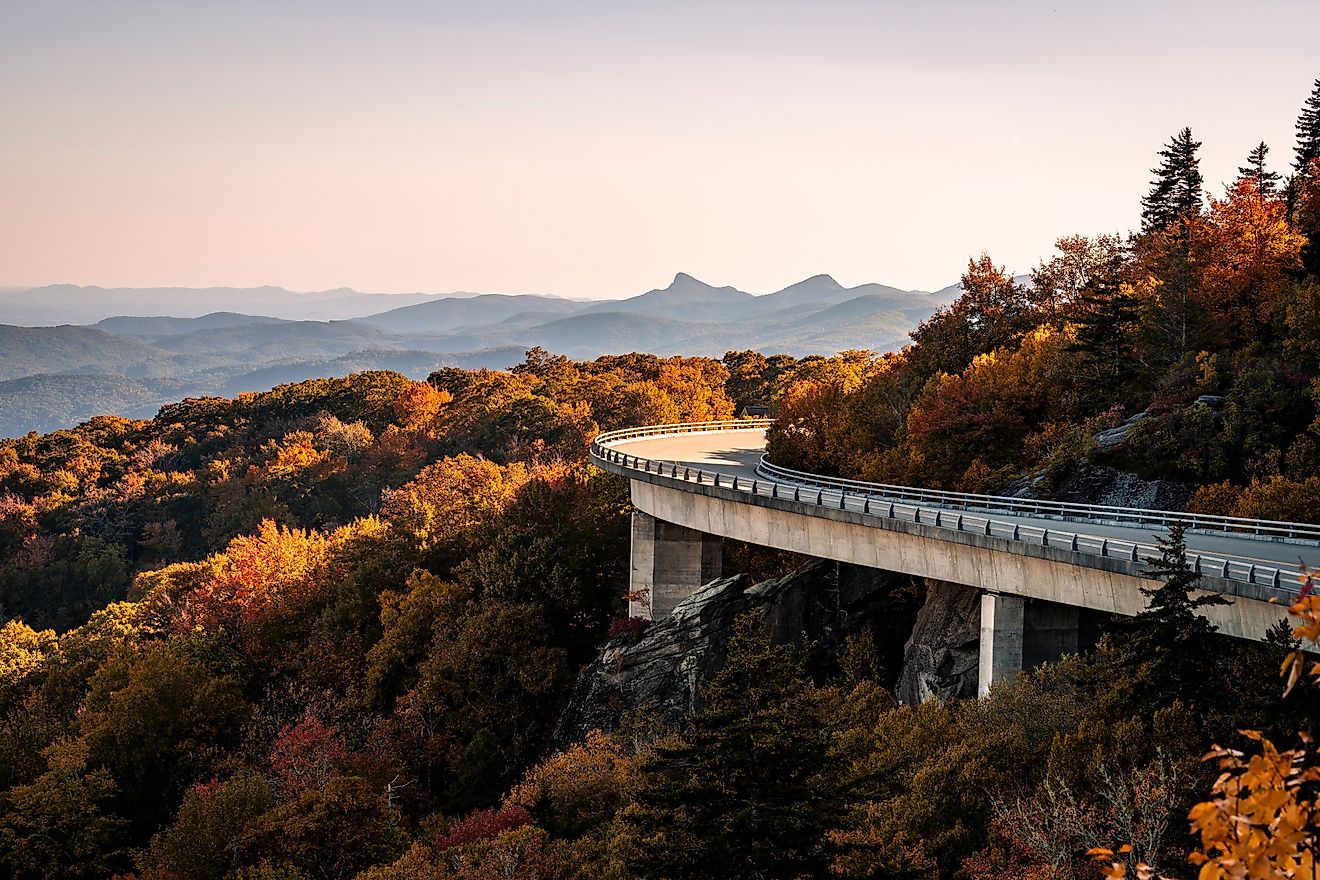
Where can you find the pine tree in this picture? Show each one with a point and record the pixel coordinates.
(1266, 181)
(1176, 190)
(1308, 132)
(1169, 642)
(743, 794)
(1105, 320)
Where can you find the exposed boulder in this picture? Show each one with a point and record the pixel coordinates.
(819, 605)
(1101, 484)
(940, 659)
(1112, 439)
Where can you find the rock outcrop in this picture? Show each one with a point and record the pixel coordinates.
(819, 605)
(1102, 484)
(941, 656)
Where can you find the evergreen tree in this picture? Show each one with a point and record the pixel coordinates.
(1308, 132)
(1169, 642)
(1105, 320)
(1266, 181)
(1176, 190)
(742, 794)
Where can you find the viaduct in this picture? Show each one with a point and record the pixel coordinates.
(1036, 563)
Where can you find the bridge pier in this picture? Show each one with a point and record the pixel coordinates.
(669, 563)
(1018, 633)
(1003, 619)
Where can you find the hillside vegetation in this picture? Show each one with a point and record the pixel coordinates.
(325, 631)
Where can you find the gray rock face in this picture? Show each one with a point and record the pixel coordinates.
(819, 604)
(1101, 484)
(1110, 440)
(940, 659)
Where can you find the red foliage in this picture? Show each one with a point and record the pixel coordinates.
(483, 825)
(633, 627)
(304, 756)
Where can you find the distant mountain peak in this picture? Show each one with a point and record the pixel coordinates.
(684, 280)
(824, 280)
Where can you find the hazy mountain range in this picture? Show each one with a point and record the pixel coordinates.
(126, 351)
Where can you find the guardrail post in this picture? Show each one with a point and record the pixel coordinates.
(698, 478)
(687, 472)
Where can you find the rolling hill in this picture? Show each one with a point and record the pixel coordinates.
(164, 344)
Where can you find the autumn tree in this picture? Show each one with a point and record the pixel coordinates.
(992, 311)
(64, 823)
(1081, 263)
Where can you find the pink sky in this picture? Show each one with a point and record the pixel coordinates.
(594, 149)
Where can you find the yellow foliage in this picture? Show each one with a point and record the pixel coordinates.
(22, 651)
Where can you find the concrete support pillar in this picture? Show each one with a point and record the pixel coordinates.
(1002, 619)
(669, 563)
(1050, 630)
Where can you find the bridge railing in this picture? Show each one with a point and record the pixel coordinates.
(928, 508)
(1126, 516)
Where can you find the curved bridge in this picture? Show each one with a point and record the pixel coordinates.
(693, 484)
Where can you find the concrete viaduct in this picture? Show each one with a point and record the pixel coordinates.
(1036, 563)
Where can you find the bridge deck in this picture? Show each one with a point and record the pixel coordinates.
(736, 453)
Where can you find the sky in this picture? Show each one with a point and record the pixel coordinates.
(594, 149)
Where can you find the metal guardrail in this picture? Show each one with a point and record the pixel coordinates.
(971, 513)
(1229, 525)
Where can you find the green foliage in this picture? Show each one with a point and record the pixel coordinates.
(744, 793)
(159, 720)
(205, 840)
(62, 824)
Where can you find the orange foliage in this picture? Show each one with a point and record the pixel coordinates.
(266, 574)
(1245, 248)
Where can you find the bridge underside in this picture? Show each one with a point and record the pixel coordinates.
(1031, 595)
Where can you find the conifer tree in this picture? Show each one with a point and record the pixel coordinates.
(1169, 642)
(1105, 318)
(1266, 181)
(1308, 132)
(743, 793)
(1176, 190)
